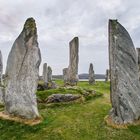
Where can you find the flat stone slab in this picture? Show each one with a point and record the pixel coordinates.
(30, 122)
(57, 98)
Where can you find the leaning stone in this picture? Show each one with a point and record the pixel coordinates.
(56, 98)
(91, 74)
(22, 74)
(125, 86)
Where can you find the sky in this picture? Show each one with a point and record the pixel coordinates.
(59, 21)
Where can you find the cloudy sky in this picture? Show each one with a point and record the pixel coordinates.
(58, 21)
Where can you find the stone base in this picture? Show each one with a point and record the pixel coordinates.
(109, 122)
(30, 122)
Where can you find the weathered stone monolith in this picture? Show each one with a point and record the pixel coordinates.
(1, 80)
(91, 75)
(22, 73)
(49, 76)
(65, 75)
(107, 76)
(125, 86)
(73, 62)
(138, 56)
(45, 73)
(1, 69)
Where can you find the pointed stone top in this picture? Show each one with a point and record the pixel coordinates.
(45, 64)
(30, 23)
(30, 28)
(75, 39)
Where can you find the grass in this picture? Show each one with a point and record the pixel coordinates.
(78, 121)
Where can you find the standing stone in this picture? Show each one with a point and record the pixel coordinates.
(22, 73)
(73, 62)
(1, 69)
(91, 76)
(107, 76)
(49, 76)
(45, 73)
(1, 80)
(125, 86)
(138, 56)
(65, 75)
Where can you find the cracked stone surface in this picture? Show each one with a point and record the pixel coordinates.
(138, 56)
(73, 62)
(125, 85)
(22, 73)
(91, 76)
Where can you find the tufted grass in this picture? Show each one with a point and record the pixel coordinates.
(78, 121)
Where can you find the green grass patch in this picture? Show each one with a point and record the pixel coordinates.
(79, 121)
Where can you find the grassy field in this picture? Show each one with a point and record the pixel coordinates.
(75, 121)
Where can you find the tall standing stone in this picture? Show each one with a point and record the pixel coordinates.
(1, 69)
(49, 76)
(125, 86)
(73, 62)
(45, 73)
(1, 80)
(91, 76)
(22, 73)
(65, 75)
(107, 76)
(138, 56)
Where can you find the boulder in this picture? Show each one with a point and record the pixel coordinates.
(56, 98)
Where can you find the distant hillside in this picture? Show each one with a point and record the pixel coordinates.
(82, 76)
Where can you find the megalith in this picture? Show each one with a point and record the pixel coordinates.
(73, 62)
(45, 73)
(22, 73)
(1, 69)
(125, 86)
(49, 74)
(91, 75)
(65, 75)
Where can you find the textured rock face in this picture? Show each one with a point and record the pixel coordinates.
(49, 76)
(65, 75)
(138, 55)
(1, 69)
(2, 90)
(91, 74)
(107, 76)
(45, 73)
(125, 86)
(73, 62)
(55, 98)
(22, 74)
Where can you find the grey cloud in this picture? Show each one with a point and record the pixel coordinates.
(58, 21)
